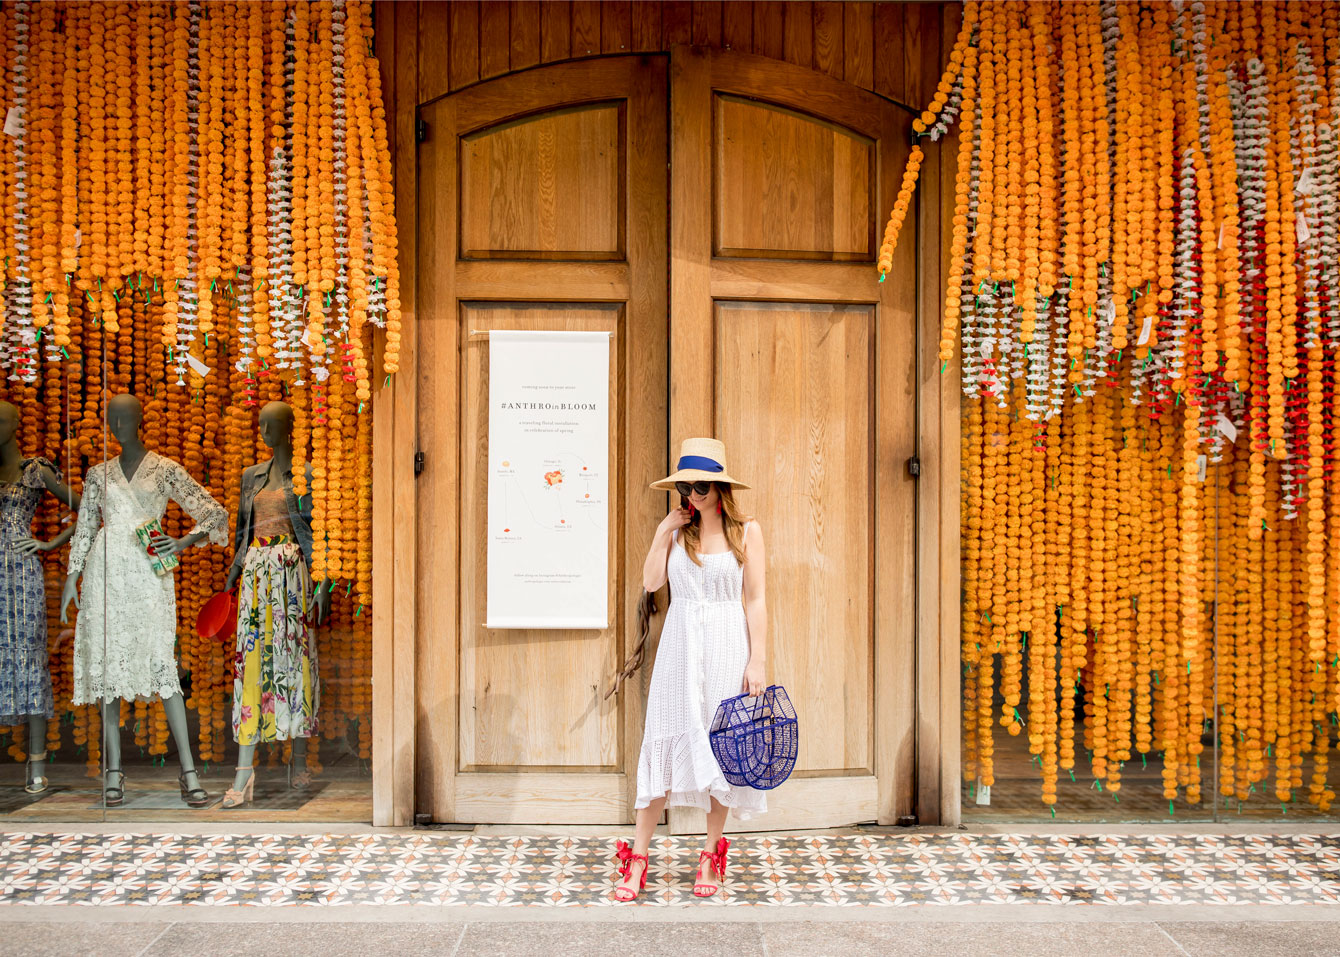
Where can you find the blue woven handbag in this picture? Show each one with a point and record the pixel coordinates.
(756, 739)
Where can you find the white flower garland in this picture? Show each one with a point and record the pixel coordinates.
(1328, 232)
(188, 296)
(950, 111)
(969, 325)
(1038, 356)
(1186, 293)
(287, 305)
(20, 336)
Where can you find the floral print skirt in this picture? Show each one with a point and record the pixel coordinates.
(276, 692)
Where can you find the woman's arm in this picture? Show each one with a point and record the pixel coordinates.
(653, 569)
(755, 610)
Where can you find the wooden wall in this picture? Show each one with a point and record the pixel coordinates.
(882, 47)
(428, 49)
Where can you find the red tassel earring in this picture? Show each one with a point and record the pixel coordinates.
(718, 506)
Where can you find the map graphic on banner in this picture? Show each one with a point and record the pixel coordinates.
(548, 509)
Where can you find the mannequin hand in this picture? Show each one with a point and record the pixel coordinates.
(31, 546)
(70, 593)
(678, 518)
(755, 682)
(164, 545)
(322, 602)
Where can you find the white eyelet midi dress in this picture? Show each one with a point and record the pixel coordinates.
(700, 661)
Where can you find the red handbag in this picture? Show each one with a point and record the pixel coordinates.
(218, 619)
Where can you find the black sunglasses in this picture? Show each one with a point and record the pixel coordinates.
(684, 488)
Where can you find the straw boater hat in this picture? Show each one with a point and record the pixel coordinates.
(700, 460)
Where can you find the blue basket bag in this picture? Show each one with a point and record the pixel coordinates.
(756, 739)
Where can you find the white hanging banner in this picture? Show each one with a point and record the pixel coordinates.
(548, 508)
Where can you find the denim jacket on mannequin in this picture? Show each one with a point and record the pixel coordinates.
(300, 515)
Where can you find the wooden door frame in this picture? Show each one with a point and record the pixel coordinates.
(395, 498)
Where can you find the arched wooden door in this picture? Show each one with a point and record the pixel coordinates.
(542, 205)
(784, 345)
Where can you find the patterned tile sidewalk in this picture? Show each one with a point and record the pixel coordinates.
(860, 870)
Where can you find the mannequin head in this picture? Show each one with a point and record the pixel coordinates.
(9, 422)
(277, 425)
(124, 415)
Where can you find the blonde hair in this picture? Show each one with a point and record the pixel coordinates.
(732, 523)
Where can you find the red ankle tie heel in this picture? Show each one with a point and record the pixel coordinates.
(717, 859)
(626, 858)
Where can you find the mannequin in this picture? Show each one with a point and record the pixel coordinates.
(276, 692)
(127, 627)
(25, 682)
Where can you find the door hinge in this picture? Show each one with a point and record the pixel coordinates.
(914, 466)
(418, 464)
(421, 131)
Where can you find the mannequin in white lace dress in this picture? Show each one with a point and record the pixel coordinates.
(125, 637)
(712, 647)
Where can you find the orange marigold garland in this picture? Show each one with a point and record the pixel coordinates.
(1193, 395)
(145, 217)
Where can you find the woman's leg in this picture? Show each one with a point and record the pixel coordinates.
(647, 819)
(716, 823)
(716, 826)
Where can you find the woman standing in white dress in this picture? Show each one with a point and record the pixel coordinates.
(712, 647)
(126, 634)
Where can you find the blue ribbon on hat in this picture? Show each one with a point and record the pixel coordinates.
(700, 462)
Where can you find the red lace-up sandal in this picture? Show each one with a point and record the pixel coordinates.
(717, 861)
(627, 858)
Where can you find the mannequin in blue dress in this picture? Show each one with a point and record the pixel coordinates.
(25, 681)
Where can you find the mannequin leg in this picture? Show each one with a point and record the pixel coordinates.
(35, 779)
(111, 733)
(175, 710)
(37, 734)
(298, 775)
(114, 778)
(246, 764)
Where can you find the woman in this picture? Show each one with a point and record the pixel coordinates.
(712, 647)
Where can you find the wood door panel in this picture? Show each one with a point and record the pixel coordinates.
(805, 365)
(530, 698)
(546, 186)
(793, 405)
(513, 725)
(790, 186)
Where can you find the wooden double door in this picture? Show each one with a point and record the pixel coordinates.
(720, 215)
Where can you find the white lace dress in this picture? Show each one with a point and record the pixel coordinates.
(700, 661)
(127, 626)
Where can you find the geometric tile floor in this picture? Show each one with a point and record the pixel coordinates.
(765, 871)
